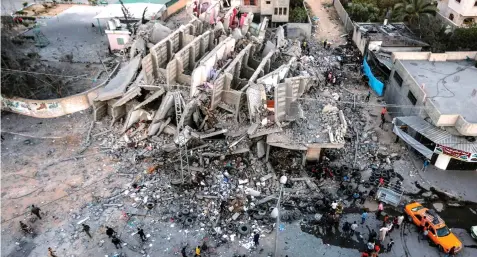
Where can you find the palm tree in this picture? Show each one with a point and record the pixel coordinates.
(413, 10)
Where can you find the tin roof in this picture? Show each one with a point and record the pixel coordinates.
(437, 135)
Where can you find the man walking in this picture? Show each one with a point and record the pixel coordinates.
(399, 221)
(86, 230)
(426, 163)
(364, 215)
(382, 233)
(368, 96)
(372, 235)
(255, 239)
(117, 242)
(140, 231)
(197, 251)
(35, 210)
(325, 43)
(183, 251)
(390, 245)
(353, 228)
(346, 228)
(110, 232)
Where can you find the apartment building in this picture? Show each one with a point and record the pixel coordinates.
(461, 12)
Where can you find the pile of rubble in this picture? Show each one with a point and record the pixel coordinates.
(210, 165)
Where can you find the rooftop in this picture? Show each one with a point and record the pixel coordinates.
(450, 86)
(393, 34)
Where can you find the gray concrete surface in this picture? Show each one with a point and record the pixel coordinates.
(71, 33)
(447, 84)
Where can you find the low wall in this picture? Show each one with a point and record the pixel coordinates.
(447, 56)
(299, 30)
(52, 108)
(347, 22)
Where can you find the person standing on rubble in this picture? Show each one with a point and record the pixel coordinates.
(354, 226)
(117, 242)
(141, 234)
(383, 120)
(380, 209)
(426, 163)
(110, 232)
(256, 237)
(325, 43)
(35, 210)
(368, 96)
(197, 251)
(86, 230)
(364, 215)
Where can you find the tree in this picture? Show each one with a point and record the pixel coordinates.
(413, 11)
(434, 32)
(363, 12)
(299, 15)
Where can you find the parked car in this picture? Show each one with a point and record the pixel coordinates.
(439, 233)
(473, 232)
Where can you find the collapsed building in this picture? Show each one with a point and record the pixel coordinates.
(223, 112)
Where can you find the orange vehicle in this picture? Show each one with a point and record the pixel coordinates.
(439, 233)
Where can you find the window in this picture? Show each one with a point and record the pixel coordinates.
(418, 216)
(284, 11)
(267, 2)
(120, 41)
(442, 232)
(432, 231)
(280, 11)
(412, 98)
(249, 2)
(451, 17)
(475, 4)
(458, 1)
(276, 11)
(397, 78)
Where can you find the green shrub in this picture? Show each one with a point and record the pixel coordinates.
(25, 4)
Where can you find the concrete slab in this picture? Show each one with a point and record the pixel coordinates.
(117, 85)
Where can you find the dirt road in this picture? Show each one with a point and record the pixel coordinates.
(329, 25)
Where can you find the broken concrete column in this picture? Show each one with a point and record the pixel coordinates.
(166, 105)
(100, 109)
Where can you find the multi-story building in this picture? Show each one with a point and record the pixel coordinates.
(275, 10)
(433, 98)
(461, 12)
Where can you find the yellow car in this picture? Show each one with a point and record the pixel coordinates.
(439, 233)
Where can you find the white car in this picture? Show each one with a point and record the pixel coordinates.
(473, 232)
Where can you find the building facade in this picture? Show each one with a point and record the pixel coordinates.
(433, 98)
(277, 11)
(461, 12)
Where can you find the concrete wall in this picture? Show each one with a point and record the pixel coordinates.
(397, 95)
(161, 53)
(186, 58)
(199, 75)
(344, 17)
(447, 56)
(230, 73)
